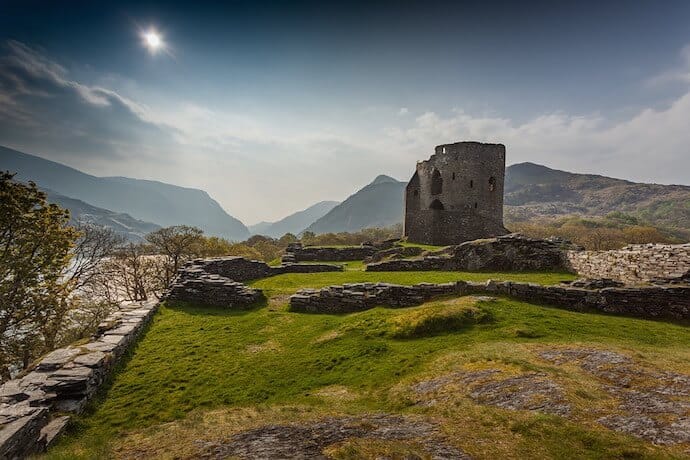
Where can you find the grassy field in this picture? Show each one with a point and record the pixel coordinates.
(204, 373)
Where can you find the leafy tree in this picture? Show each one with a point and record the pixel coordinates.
(35, 243)
(177, 243)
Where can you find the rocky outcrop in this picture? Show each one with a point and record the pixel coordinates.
(64, 381)
(639, 263)
(512, 252)
(663, 302)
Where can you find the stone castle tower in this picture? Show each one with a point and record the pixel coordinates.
(456, 195)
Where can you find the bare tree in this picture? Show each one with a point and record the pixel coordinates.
(176, 243)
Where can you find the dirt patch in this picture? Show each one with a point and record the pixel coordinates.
(336, 392)
(652, 405)
(309, 441)
(269, 345)
(328, 336)
(530, 391)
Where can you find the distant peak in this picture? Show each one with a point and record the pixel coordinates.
(383, 179)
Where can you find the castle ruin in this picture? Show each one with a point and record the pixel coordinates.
(456, 195)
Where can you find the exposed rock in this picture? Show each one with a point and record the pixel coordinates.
(653, 405)
(512, 252)
(530, 391)
(309, 440)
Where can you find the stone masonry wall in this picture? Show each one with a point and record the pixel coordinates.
(241, 269)
(663, 302)
(295, 252)
(34, 408)
(635, 263)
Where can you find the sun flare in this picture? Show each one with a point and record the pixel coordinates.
(152, 40)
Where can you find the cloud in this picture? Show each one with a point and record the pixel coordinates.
(43, 107)
(650, 146)
(403, 111)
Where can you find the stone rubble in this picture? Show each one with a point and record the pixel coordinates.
(64, 381)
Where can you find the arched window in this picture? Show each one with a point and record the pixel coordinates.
(436, 205)
(436, 183)
(492, 183)
(453, 176)
(475, 205)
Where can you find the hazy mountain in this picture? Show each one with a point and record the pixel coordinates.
(83, 213)
(379, 204)
(147, 200)
(533, 190)
(294, 223)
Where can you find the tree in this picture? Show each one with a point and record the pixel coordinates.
(35, 243)
(177, 243)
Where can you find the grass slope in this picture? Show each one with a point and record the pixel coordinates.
(203, 372)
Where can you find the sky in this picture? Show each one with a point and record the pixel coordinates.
(273, 106)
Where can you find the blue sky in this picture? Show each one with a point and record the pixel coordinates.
(272, 106)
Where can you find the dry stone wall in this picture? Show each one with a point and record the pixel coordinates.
(214, 290)
(295, 252)
(241, 269)
(635, 264)
(664, 302)
(34, 408)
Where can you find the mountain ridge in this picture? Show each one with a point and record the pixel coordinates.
(147, 200)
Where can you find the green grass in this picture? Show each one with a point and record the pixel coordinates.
(197, 360)
(426, 247)
(289, 283)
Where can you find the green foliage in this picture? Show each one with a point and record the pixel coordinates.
(35, 244)
(352, 238)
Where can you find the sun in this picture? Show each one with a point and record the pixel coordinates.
(153, 40)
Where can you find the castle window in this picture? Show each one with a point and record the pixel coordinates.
(436, 205)
(444, 150)
(436, 183)
(471, 183)
(492, 183)
(475, 205)
(453, 176)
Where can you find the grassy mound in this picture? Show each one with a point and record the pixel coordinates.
(439, 318)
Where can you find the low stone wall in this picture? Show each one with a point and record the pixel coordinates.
(362, 296)
(33, 407)
(241, 269)
(512, 252)
(634, 264)
(664, 302)
(295, 252)
(212, 290)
